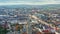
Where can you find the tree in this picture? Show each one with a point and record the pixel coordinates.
(3, 30)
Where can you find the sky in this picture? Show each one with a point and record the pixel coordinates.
(28, 2)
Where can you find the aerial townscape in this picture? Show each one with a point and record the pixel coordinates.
(30, 19)
(29, 16)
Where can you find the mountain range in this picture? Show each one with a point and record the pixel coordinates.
(31, 6)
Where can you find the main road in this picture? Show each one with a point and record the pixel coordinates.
(41, 21)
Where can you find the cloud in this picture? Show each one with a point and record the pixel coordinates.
(29, 2)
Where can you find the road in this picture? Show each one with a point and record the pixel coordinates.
(15, 32)
(41, 21)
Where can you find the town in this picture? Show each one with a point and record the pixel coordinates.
(29, 21)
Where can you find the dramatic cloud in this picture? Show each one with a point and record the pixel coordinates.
(28, 2)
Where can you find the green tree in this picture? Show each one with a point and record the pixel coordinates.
(3, 30)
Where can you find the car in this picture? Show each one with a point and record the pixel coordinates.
(45, 29)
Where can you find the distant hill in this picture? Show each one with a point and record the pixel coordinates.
(44, 7)
(30, 6)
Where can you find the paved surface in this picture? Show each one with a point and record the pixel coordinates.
(32, 16)
(15, 32)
